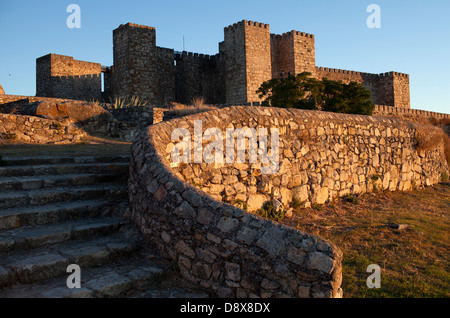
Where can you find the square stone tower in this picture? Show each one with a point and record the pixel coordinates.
(248, 60)
(140, 67)
(292, 53)
(253, 56)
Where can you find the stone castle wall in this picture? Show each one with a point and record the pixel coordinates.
(248, 56)
(192, 210)
(61, 76)
(198, 75)
(390, 88)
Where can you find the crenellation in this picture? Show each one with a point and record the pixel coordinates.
(134, 25)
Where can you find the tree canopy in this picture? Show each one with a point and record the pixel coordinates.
(304, 92)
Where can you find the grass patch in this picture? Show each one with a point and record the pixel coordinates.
(414, 261)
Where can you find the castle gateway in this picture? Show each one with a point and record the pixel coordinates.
(248, 56)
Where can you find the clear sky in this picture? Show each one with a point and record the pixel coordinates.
(414, 37)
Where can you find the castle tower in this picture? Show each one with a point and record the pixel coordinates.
(402, 96)
(292, 53)
(133, 61)
(140, 67)
(393, 90)
(248, 60)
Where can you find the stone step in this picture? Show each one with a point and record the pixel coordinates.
(26, 267)
(46, 160)
(52, 213)
(49, 181)
(136, 277)
(30, 237)
(118, 168)
(11, 199)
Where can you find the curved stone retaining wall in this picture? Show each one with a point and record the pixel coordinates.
(187, 208)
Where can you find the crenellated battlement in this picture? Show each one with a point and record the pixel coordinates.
(61, 57)
(244, 23)
(342, 71)
(84, 76)
(257, 24)
(298, 33)
(399, 112)
(134, 25)
(197, 55)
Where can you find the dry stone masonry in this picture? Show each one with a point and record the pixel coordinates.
(192, 210)
(31, 129)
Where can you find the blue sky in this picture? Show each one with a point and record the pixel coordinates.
(413, 38)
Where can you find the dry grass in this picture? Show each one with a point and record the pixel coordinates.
(428, 138)
(414, 261)
(199, 102)
(447, 148)
(184, 110)
(124, 102)
(443, 123)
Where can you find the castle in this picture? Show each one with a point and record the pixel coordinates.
(248, 56)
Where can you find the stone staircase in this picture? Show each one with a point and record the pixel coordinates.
(57, 211)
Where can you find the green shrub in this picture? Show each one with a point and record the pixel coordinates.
(296, 203)
(241, 204)
(268, 211)
(305, 92)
